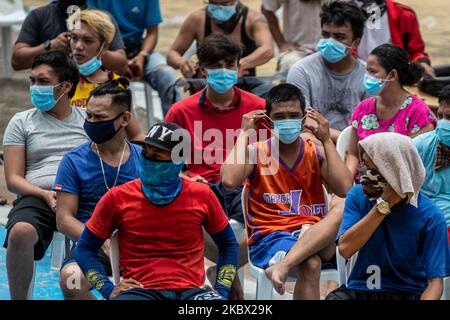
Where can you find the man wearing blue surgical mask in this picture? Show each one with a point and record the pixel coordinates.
(284, 185)
(230, 17)
(332, 78)
(88, 171)
(160, 219)
(219, 107)
(434, 149)
(34, 143)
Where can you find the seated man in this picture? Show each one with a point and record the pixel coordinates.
(159, 220)
(230, 17)
(396, 23)
(301, 28)
(332, 79)
(400, 235)
(88, 171)
(285, 183)
(45, 29)
(216, 109)
(133, 18)
(434, 150)
(35, 142)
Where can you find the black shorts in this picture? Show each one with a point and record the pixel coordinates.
(36, 212)
(230, 200)
(344, 293)
(104, 260)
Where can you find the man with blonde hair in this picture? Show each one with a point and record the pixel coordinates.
(45, 29)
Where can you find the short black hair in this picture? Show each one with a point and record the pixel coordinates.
(393, 57)
(284, 92)
(444, 95)
(121, 97)
(340, 12)
(65, 67)
(216, 47)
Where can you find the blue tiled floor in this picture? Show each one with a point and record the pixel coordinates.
(46, 283)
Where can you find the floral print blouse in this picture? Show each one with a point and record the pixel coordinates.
(413, 115)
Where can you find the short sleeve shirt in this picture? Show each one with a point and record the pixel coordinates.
(414, 114)
(46, 140)
(133, 16)
(334, 95)
(80, 173)
(160, 246)
(409, 247)
(48, 22)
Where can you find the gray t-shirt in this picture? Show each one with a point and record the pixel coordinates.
(46, 140)
(48, 22)
(334, 95)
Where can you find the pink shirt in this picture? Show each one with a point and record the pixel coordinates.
(413, 115)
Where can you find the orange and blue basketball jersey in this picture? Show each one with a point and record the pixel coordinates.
(287, 198)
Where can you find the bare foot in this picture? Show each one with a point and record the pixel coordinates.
(278, 274)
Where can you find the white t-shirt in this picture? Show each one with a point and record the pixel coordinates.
(375, 34)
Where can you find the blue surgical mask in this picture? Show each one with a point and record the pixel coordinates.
(221, 13)
(332, 50)
(221, 80)
(373, 85)
(287, 130)
(43, 97)
(101, 131)
(89, 67)
(443, 131)
(161, 181)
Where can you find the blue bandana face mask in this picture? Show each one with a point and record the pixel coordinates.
(443, 131)
(332, 50)
(221, 13)
(373, 85)
(161, 181)
(43, 98)
(287, 130)
(89, 67)
(221, 80)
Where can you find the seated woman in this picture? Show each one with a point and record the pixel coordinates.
(90, 38)
(393, 108)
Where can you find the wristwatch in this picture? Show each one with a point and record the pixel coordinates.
(47, 45)
(383, 206)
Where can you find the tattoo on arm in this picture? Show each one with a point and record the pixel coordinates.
(261, 19)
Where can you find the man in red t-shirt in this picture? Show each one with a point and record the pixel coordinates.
(159, 219)
(213, 119)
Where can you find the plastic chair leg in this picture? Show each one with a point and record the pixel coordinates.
(31, 286)
(264, 287)
(58, 250)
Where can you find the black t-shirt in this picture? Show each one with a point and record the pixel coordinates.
(48, 22)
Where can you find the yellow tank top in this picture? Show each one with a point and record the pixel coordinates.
(84, 88)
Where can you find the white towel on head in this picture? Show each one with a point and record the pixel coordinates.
(398, 161)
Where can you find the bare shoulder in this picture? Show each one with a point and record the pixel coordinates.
(195, 18)
(256, 16)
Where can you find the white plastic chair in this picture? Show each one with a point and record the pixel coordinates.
(264, 286)
(59, 248)
(15, 16)
(114, 256)
(343, 141)
(446, 292)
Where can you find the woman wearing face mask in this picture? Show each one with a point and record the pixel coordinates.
(393, 108)
(90, 39)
